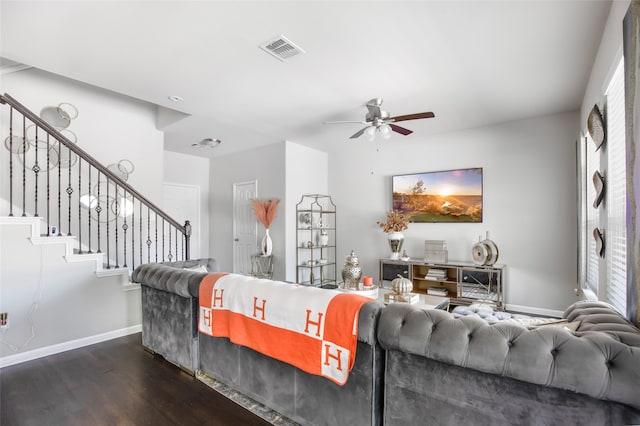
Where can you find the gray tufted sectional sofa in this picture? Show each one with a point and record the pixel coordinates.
(170, 328)
(170, 309)
(444, 370)
(415, 366)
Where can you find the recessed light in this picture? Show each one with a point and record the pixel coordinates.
(207, 143)
(175, 98)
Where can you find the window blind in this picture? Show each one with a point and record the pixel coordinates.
(616, 251)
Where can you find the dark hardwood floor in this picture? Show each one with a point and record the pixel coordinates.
(111, 383)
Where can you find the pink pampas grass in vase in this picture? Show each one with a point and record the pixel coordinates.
(265, 211)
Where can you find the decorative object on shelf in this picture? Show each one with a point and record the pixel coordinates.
(261, 266)
(598, 235)
(405, 257)
(401, 285)
(596, 127)
(484, 252)
(394, 225)
(323, 238)
(265, 211)
(396, 239)
(600, 184)
(435, 251)
(401, 288)
(351, 272)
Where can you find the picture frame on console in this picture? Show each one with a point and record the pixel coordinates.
(453, 196)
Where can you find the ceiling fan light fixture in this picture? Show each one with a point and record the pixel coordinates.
(370, 133)
(385, 131)
(207, 143)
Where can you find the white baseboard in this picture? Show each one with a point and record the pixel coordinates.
(67, 346)
(534, 311)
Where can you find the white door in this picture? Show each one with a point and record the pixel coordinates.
(182, 202)
(245, 226)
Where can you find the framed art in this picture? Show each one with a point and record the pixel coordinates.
(442, 196)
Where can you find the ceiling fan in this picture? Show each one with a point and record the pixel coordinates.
(380, 121)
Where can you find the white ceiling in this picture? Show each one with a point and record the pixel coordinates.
(472, 63)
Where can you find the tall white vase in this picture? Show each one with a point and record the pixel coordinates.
(395, 244)
(266, 247)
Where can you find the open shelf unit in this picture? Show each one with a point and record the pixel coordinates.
(316, 241)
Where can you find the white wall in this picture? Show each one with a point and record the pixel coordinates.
(109, 127)
(193, 171)
(529, 201)
(267, 166)
(58, 302)
(307, 170)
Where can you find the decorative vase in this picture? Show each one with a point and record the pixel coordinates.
(395, 244)
(351, 272)
(323, 238)
(267, 245)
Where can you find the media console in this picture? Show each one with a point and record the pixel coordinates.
(463, 282)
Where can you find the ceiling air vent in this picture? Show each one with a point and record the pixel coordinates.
(281, 47)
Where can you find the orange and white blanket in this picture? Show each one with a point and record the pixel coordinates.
(313, 329)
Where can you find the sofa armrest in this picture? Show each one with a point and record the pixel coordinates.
(368, 322)
(172, 277)
(592, 363)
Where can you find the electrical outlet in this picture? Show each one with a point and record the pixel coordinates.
(4, 320)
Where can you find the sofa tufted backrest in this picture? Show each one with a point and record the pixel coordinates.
(172, 277)
(602, 317)
(590, 362)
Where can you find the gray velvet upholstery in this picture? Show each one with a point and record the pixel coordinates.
(467, 371)
(170, 309)
(304, 398)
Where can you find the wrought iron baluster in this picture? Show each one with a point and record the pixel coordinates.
(156, 237)
(149, 235)
(163, 227)
(24, 165)
(116, 213)
(89, 207)
(170, 257)
(124, 229)
(98, 211)
(48, 186)
(108, 207)
(187, 240)
(36, 171)
(79, 204)
(11, 161)
(140, 231)
(69, 192)
(133, 233)
(59, 190)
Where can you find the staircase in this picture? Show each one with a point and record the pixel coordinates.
(71, 232)
(67, 197)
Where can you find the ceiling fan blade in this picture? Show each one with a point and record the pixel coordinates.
(342, 122)
(413, 116)
(400, 130)
(359, 133)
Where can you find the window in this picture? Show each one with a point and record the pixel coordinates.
(616, 236)
(606, 278)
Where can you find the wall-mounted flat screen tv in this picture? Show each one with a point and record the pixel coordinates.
(445, 196)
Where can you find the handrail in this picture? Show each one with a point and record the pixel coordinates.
(7, 99)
